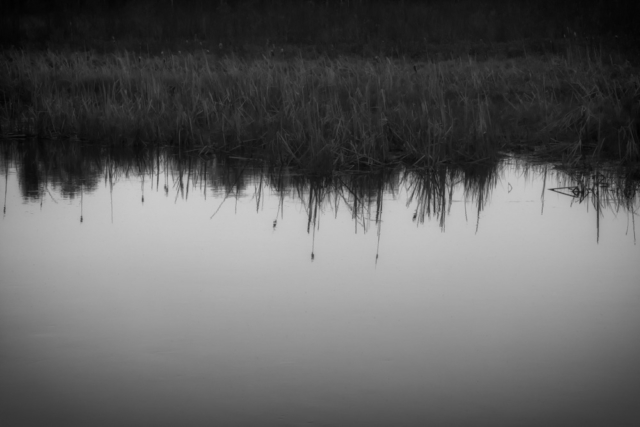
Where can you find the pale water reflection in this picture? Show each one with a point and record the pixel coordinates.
(200, 293)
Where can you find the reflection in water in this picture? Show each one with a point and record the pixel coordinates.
(603, 190)
(72, 170)
(161, 288)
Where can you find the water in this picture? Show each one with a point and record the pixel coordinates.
(172, 290)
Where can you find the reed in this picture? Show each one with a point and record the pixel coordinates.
(325, 114)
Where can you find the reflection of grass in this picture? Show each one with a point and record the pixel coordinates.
(330, 114)
(604, 190)
(75, 169)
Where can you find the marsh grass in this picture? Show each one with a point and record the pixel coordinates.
(323, 115)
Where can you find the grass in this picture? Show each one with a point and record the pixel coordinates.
(326, 114)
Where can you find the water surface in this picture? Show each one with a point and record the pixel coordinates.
(160, 289)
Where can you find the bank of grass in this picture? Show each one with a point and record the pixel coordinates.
(326, 113)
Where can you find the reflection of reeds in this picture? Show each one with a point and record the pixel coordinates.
(5, 166)
(606, 189)
(73, 169)
(81, 205)
(432, 190)
(428, 190)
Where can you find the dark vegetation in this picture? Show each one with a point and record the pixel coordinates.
(329, 85)
(351, 26)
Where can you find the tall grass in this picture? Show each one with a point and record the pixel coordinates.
(330, 114)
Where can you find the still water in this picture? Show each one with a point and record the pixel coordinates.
(167, 289)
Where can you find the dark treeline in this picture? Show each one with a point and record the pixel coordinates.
(405, 24)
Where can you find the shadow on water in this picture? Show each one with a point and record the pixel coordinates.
(74, 170)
